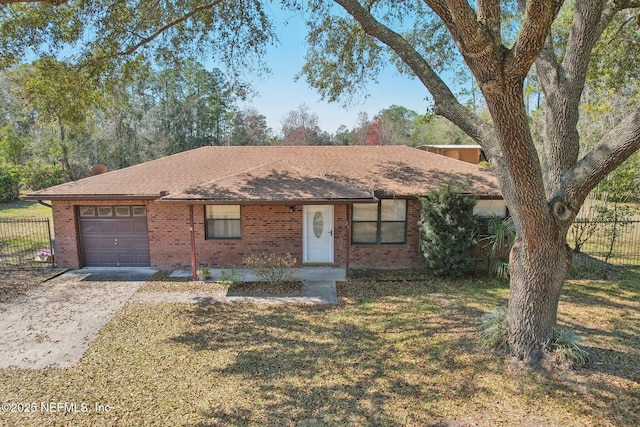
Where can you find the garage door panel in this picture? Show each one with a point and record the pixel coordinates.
(115, 241)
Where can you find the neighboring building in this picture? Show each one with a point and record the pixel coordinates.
(326, 205)
(466, 153)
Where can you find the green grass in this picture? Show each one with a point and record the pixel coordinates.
(20, 242)
(390, 353)
(20, 209)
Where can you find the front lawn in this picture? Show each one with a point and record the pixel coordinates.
(23, 209)
(390, 353)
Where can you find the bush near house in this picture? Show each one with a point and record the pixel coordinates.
(448, 231)
(272, 268)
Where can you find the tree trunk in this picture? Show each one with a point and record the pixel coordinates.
(538, 271)
(540, 259)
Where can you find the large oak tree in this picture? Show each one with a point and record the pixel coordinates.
(544, 188)
(499, 41)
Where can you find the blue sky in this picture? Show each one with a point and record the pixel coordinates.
(279, 93)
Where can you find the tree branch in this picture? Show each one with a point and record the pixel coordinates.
(446, 103)
(161, 30)
(614, 148)
(538, 17)
(489, 16)
(628, 4)
(51, 2)
(590, 18)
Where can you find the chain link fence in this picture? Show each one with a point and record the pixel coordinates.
(26, 243)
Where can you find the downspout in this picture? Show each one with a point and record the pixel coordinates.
(348, 242)
(193, 244)
(45, 204)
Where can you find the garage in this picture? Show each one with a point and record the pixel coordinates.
(114, 236)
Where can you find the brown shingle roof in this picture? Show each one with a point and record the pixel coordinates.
(280, 173)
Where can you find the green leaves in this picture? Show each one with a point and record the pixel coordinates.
(61, 93)
(447, 230)
(341, 57)
(102, 36)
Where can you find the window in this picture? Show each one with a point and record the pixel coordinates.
(485, 210)
(87, 211)
(139, 211)
(382, 223)
(105, 211)
(222, 221)
(122, 211)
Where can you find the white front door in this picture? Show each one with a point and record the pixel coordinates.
(317, 222)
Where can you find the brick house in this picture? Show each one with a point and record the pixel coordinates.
(350, 207)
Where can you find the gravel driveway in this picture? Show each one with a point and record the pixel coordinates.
(53, 324)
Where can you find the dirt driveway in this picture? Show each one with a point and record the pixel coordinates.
(53, 324)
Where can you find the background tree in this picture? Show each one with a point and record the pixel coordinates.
(250, 128)
(397, 124)
(300, 127)
(358, 134)
(63, 97)
(192, 106)
(341, 136)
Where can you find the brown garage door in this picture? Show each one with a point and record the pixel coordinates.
(114, 236)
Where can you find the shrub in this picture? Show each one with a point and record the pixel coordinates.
(203, 273)
(9, 181)
(272, 268)
(494, 332)
(230, 276)
(448, 232)
(566, 347)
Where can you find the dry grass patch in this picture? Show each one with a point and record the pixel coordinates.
(263, 288)
(389, 353)
(14, 283)
(161, 282)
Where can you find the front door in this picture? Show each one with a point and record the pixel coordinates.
(318, 233)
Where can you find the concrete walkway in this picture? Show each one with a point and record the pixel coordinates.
(52, 325)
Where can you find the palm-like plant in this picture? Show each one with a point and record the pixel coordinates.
(501, 235)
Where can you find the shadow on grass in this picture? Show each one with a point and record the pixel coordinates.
(346, 364)
(390, 353)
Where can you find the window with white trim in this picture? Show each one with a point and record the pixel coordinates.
(379, 223)
(223, 222)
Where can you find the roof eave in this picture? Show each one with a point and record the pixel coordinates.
(309, 201)
(75, 197)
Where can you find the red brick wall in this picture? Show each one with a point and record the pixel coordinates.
(65, 232)
(271, 229)
(392, 256)
(169, 236)
(265, 228)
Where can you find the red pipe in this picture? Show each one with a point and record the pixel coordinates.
(193, 244)
(348, 240)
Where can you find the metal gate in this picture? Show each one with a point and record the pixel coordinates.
(26, 243)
